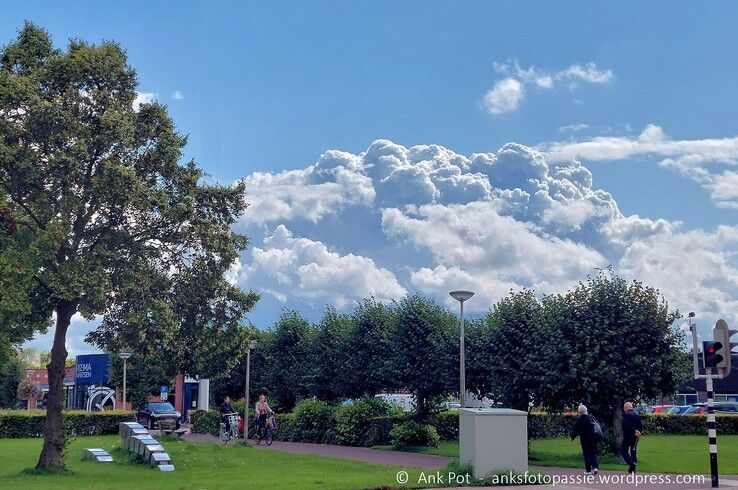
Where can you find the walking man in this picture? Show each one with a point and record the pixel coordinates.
(632, 428)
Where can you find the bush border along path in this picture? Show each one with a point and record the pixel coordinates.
(30, 423)
(374, 431)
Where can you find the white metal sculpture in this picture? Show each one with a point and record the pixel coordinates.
(98, 397)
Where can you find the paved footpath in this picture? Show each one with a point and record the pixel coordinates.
(569, 478)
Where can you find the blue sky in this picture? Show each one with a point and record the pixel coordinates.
(269, 87)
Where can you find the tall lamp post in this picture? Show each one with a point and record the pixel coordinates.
(461, 296)
(252, 344)
(124, 356)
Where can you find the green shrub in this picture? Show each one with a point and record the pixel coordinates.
(447, 424)
(312, 421)
(356, 424)
(208, 422)
(412, 433)
(549, 425)
(30, 423)
(205, 422)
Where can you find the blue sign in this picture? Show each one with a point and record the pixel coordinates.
(92, 369)
(164, 393)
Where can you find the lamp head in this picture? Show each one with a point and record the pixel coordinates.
(124, 355)
(461, 295)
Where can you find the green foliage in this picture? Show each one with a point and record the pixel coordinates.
(516, 332)
(412, 433)
(328, 356)
(208, 422)
(366, 371)
(312, 421)
(615, 342)
(205, 422)
(30, 423)
(355, 422)
(446, 424)
(12, 372)
(423, 357)
(288, 359)
(106, 219)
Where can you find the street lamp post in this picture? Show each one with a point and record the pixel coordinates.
(252, 344)
(124, 356)
(461, 296)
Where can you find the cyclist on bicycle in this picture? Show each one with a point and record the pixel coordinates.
(263, 412)
(225, 410)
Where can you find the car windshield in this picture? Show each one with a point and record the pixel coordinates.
(161, 407)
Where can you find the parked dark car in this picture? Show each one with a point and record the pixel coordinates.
(719, 407)
(157, 415)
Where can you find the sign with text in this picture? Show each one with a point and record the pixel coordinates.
(92, 369)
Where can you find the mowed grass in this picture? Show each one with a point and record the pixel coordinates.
(198, 466)
(656, 453)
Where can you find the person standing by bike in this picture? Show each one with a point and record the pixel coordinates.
(263, 412)
(226, 409)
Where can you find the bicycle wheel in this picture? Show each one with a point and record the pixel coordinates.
(269, 436)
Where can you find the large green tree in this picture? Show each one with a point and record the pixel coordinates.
(424, 356)
(328, 355)
(287, 359)
(97, 189)
(367, 367)
(509, 354)
(614, 341)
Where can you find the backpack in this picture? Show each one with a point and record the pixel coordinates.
(597, 428)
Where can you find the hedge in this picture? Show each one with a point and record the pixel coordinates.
(30, 423)
(208, 422)
(357, 427)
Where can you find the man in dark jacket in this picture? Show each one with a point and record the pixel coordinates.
(584, 428)
(632, 428)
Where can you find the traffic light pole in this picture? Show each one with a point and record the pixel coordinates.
(711, 426)
(712, 431)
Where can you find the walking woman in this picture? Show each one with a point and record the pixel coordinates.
(588, 438)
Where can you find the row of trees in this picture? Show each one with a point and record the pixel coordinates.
(601, 343)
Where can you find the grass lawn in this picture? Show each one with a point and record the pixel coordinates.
(661, 454)
(198, 466)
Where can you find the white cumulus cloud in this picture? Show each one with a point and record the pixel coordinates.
(287, 267)
(508, 93)
(694, 159)
(433, 220)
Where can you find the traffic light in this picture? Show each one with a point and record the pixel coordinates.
(723, 347)
(710, 351)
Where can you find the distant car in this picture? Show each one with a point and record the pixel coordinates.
(661, 408)
(451, 405)
(679, 409)
(694, 410)
(157, 415)
(726, 407)
(719, 407)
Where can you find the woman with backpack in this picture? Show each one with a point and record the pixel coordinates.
(589, 432)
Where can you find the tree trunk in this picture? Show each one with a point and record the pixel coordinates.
(421, 407)
(52, 454)
(617, 423)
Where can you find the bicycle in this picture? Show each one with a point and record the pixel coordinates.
(231, 433)
(265, 432)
